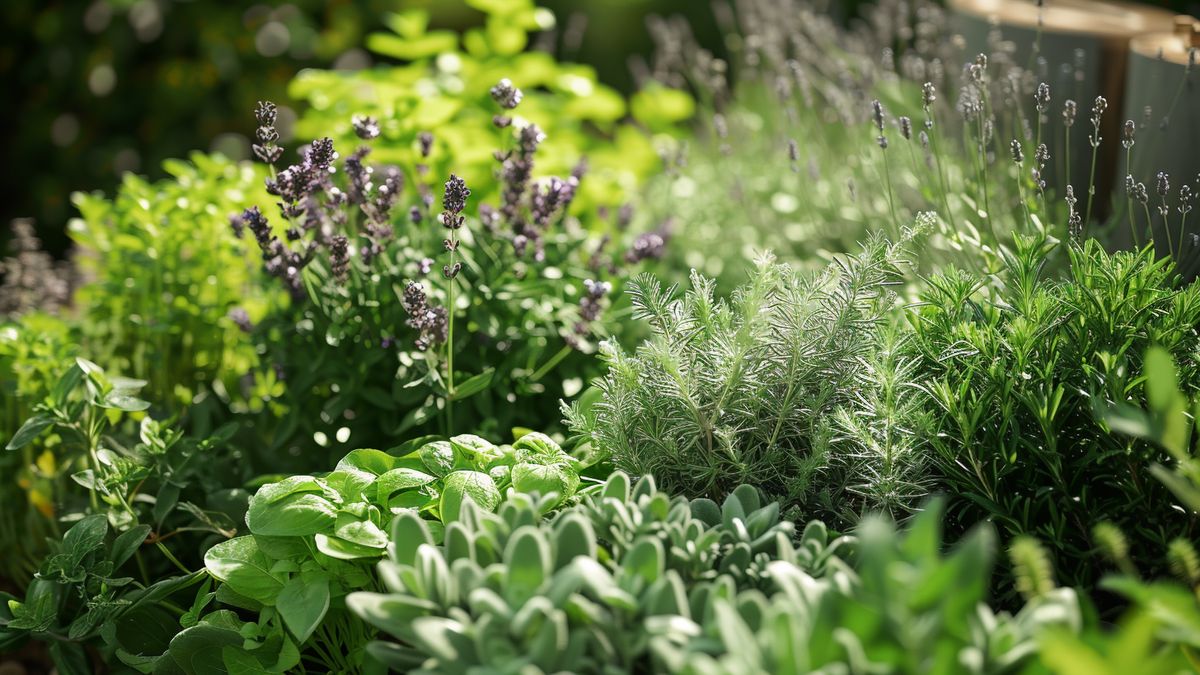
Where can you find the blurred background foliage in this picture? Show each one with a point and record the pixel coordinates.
(95, 88)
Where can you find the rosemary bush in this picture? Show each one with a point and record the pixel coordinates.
(758, 388)
(1014, 366)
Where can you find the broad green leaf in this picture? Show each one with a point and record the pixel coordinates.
(245, 568)
(295, 515)
(544, 479)
(302, 604)
(460, 485)
(273, 492)
(375, 462)
(438, 457)
(341, 549)
(197, 650)
(411, 49)
(399, 479)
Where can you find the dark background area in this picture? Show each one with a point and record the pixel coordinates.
(94, 88)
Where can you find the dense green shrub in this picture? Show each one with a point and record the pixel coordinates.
(1014, 365)
(747, 390)
(164, 283)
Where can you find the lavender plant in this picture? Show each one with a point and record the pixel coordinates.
(476, 316)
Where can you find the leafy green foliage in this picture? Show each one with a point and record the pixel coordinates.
(517, 589)
(741, 391)
(314, 539)
(524, 315)
(1015, 363)
(632, 580)
(79, 593)
(164, 278)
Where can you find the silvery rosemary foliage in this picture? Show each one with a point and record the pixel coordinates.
(739, 391)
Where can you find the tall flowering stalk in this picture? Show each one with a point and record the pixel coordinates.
(1098, 109)
(877, 116)
(454, 201)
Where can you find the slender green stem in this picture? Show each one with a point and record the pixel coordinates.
(1087, 218)
(887, 177)
(548, 365)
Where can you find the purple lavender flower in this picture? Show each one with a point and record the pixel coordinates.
(506, 95)
(365, 127)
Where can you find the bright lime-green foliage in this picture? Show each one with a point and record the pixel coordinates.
(33, 353)
(163, 272)
(443, 89)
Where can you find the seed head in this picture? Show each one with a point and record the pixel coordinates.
(1018, 154)
(877, 114)
(1042, 97)
(1070, 110)
(1127, 134)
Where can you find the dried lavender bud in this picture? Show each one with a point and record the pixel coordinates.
(877, 114)
(1042, 98)
(264, 113)
(414, 215)
(1071, 199)
(339, 257)
(451, 271)
(1140, 194)
(430, 323)
(556, 195)
(241, 319)
(1163, 184)
(266, 149)
(1130, 186)
(259, 227)
(237, 224)
(506, 95)
(928, 96)
(501, 121)
(649, 245)
(365, 127)
(589, 304)
(906, 128)
(1098, 109)
(1185, 199)
(1127, 134)
(1069, 112)
(425, 139)
(454, 199)
(1018, 153)
(321, 154)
